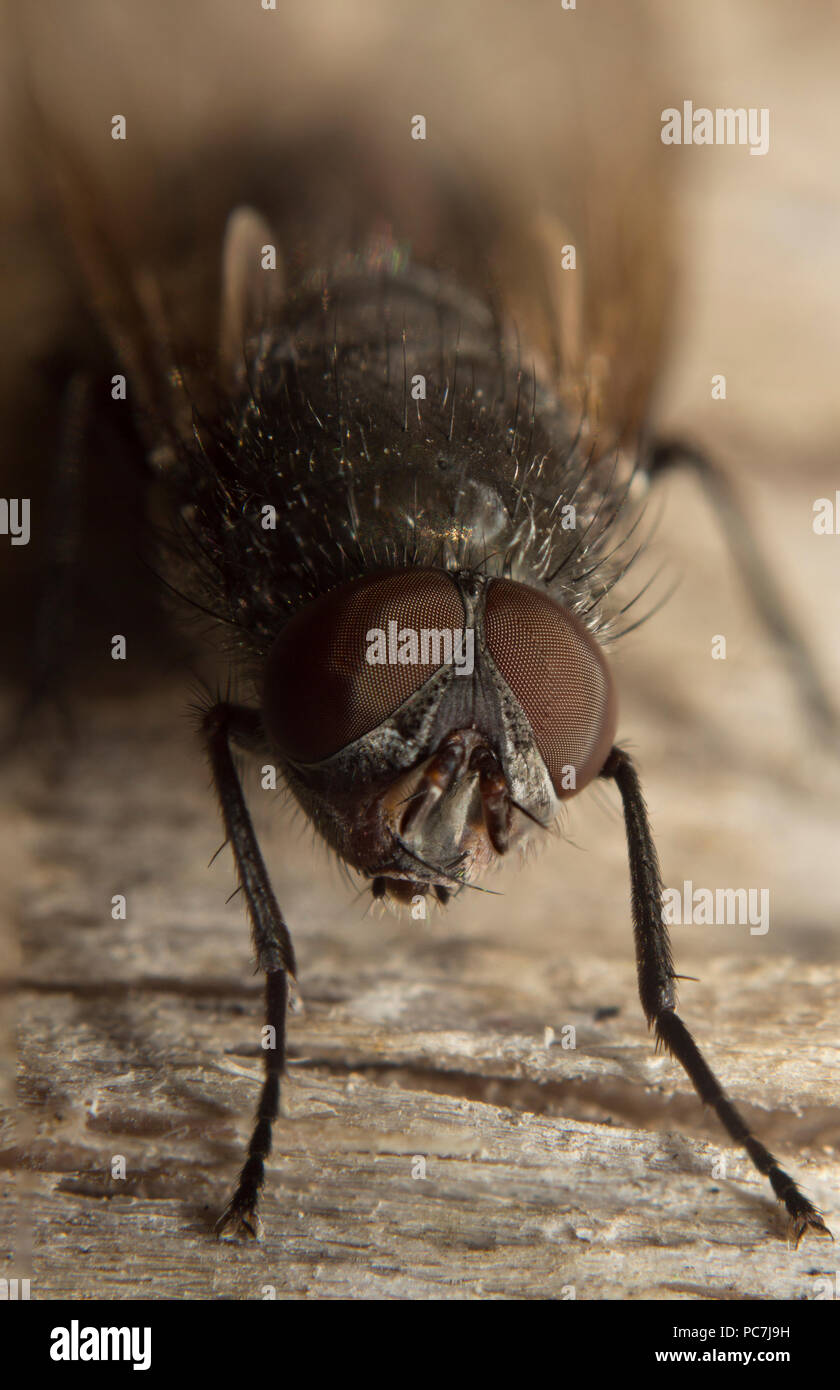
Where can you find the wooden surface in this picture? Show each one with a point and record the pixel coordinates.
(547, 1169)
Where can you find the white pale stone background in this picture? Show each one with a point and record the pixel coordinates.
(545, 1168)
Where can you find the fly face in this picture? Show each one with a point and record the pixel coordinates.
(430, 720)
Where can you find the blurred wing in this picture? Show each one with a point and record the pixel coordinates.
(543, 135)
(596, 212)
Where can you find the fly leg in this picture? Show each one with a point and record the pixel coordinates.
(755, 572)
(46, 680)
(272, 947)
(655, 969)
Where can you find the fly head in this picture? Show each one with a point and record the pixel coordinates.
(429, 721)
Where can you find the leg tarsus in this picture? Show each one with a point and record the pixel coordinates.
(808, 1219)
(239, 1224)
(240, 1219)
(656, 990)
(273, 949)
(677, 1040)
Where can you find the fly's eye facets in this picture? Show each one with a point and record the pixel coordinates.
(560, 677)
(347, 661)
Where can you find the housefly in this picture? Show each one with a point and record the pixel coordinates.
(403, 485)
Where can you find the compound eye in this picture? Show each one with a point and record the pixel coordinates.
(347, 661)
(560, 677)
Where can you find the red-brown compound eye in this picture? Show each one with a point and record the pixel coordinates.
(560, 677)
(322, 690)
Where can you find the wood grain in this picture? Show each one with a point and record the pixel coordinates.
(548, 1170)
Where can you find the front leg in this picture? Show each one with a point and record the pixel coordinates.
(272, 947)
(656, 990)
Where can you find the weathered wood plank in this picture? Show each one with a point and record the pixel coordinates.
(546, 1168)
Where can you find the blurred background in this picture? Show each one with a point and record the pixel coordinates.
(506, 92)
(544, 105)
